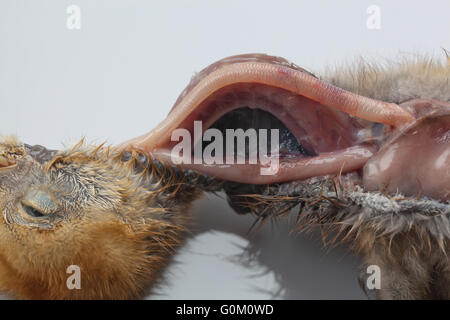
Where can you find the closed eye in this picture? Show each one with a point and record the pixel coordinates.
(33, 212)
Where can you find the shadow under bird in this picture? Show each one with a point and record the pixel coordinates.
(364, 153)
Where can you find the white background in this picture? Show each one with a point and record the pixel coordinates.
(119, 75)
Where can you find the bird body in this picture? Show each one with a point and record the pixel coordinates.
(118, 213)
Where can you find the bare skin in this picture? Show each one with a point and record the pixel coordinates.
(367, 157)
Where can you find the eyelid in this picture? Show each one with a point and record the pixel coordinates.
(40, 200)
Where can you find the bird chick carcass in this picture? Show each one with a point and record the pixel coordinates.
(364, 153)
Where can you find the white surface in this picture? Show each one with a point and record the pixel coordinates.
(119, 75)
(222, 261)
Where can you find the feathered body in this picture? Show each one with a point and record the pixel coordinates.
(408, 238)
(119, 220)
